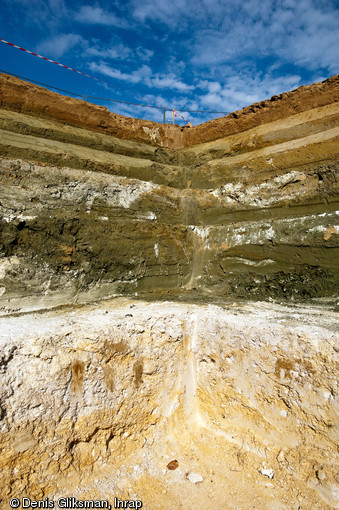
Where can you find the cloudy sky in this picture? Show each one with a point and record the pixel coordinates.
(197, 54)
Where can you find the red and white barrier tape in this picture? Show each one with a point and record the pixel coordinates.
(49, 60)
(74, 70)
(177, 113)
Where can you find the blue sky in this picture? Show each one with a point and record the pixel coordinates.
(201, 54)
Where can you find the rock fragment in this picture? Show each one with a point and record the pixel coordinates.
(267, 472)
(172, 465)
(194, 477)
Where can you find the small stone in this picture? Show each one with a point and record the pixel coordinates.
(267, 472)
(194, 477)
(172, 465)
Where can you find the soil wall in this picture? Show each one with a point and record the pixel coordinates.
(168, 302)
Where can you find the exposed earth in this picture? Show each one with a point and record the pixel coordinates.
(168, 301)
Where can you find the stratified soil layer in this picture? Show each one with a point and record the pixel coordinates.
(210, 380)
(24, 97)
(253, 214)
(278, 107)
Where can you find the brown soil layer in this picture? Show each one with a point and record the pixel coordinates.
(21, 96)
(278, 107)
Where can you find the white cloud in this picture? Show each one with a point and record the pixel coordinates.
(144, 54)
(143, 75)
(303, 32)
(211, 86)
(169, 82)
(313, 42)
(243, 89)
(59, 45)
(118, 52)
(95, 15)
(162, 10)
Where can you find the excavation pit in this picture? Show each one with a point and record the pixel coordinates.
(168, 304)
(100, 399)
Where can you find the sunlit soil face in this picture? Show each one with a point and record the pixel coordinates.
(167, 302)
(172, 404)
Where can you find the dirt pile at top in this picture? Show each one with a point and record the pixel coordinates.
(24, 97)
(278, 107)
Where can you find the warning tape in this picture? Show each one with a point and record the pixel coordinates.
(79, 72)
(177, 113)
(53, 61)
